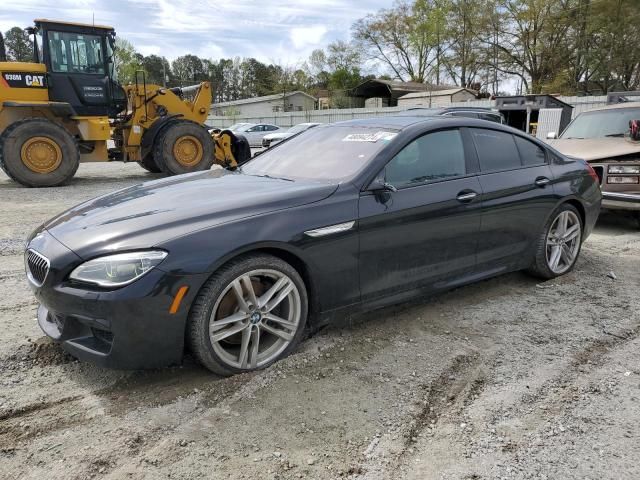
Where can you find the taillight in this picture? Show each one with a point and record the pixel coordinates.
(592, 173)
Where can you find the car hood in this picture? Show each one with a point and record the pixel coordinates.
(151, 213)
(595, 148)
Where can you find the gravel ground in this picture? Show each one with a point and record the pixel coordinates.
(508, 378)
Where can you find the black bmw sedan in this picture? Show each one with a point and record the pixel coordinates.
(237, 265)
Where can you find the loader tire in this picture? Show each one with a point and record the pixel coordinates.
(183, 147)
(37, 152)
(149, 164)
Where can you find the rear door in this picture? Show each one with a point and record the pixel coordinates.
(425, 233)
(517, 197)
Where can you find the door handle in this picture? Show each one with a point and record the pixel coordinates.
(542, 182)
(466, 196)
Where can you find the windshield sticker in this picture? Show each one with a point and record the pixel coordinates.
(369, 137)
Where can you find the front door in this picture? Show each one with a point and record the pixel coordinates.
(424, 234)
(78, 71)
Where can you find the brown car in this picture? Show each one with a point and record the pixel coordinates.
(602, 138)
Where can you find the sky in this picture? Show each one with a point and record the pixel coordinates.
(280, 31)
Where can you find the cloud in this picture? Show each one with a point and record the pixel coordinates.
(302, 37)
(266, 30)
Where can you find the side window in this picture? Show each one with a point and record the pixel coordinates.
(464, 114)
(490, 116)
(496, 150)
(433, 156)
(530, 153)
(271, 128)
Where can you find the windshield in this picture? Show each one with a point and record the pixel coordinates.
(322, 153)
(76, 53)
(240, 127)
(602, 123)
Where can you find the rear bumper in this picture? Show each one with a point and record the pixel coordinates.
(621, 201)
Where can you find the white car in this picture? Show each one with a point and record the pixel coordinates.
(253, 132)
(273, 138)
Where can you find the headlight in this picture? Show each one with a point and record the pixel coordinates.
(119, 269)
(624, 169)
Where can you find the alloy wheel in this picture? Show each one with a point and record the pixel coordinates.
(255, 318)
(563, 241)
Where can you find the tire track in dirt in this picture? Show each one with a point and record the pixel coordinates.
(451, 391)
(151, 390)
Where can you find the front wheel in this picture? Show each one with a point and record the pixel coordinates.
(559, 244)
(183, 147)
(251, 313)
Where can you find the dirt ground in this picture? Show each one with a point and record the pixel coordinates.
(509, 378)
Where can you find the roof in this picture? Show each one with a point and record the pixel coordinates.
(75, 24)
(434, 111)
(375, 87)
(403, 122)
(615, 106)
(517, 101)
(266, 98)
(397, 123)
(438, 93)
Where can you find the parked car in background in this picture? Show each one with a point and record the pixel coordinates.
(273, 138)
(347, 217)
(467, 112)
(254, 132)
(240, 127)
(602, 137)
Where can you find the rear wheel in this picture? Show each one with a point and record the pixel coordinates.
(38, 153)
(183, 147)
(559, 244)
(251, 313)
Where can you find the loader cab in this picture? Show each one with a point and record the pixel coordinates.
(80, 66)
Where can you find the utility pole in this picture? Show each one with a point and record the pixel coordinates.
(164, 73)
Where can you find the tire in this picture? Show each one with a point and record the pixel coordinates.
(149, 164)
(217, 299)
(183, 147)
(549, 262)
(37, 152)
(240, 149)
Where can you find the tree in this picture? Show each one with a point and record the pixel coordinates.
(531, 40)
(343, 55)
(463, 61)
(188, 69)
(125, 60)
(18, 45)
(400, 39)
(157, 68)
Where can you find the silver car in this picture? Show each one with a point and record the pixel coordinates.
(254, 132)
(273, 138)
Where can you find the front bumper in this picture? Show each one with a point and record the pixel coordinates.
(621, 201)
(129, 328)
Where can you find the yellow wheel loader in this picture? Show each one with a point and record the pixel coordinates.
(65, 106)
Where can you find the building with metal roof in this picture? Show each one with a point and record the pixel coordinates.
(267, 105)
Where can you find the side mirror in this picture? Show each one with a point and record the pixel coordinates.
(552, 135)
(380, 185)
